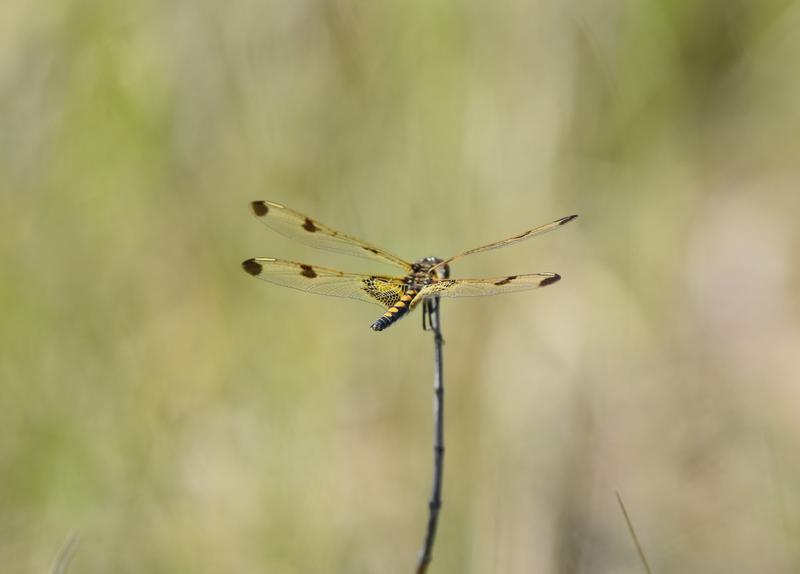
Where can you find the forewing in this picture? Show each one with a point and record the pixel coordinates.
(297, 226)
(488, 286)
(515, 239)
(379, 289)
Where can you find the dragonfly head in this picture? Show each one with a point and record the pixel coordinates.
(432, 266)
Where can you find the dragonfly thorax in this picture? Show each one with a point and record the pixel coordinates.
(427, 270)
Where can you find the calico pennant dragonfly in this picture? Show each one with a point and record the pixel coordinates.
(427, 278)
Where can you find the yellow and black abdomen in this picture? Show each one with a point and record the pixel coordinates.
(397, 311)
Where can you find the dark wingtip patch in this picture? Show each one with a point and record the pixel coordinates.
(308, 271)
(309, 225)
(549, 280)
(252, 266)
(567, 219)
(259, 208)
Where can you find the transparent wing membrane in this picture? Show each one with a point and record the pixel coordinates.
(488, 286)
(378, 289)
(512, 240)
(297, 226)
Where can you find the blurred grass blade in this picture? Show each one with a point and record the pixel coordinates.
(633, 533)
(65, 554)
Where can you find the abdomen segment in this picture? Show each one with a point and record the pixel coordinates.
(396, 311)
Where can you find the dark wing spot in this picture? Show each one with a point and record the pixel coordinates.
(566, 219)
(259, 208)
(309, 225)
(506, 281)
(370, 249)
(308, 271)
(252, 266)
(521, 235)
(549, 280)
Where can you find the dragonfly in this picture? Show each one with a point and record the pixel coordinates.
(423, 280)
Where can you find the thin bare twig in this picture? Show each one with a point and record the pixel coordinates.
(633, 533)
(431, 312)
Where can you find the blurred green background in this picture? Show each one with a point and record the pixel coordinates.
(183, 417)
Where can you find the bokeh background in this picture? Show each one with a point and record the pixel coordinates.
(183, 417)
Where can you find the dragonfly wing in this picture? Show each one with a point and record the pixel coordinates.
(515, 239)
(488, 286)
(297, 226)
(378, 289)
